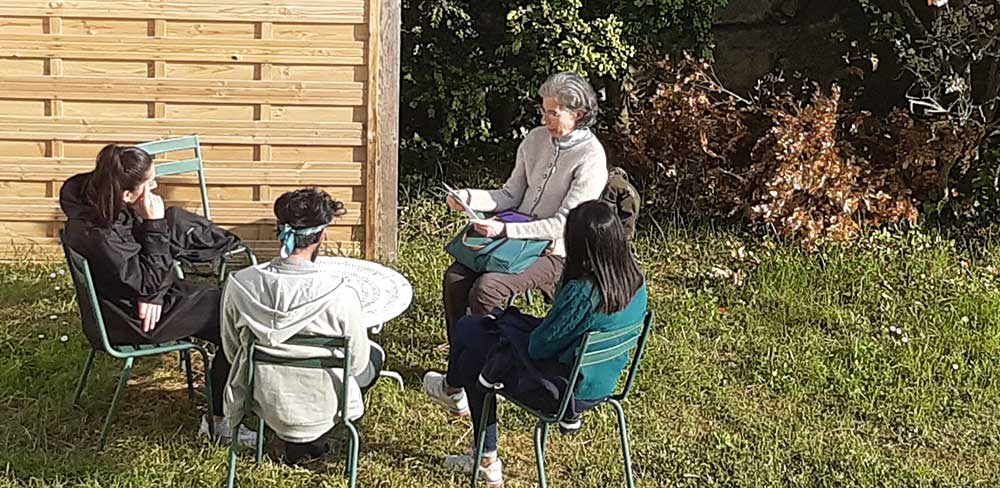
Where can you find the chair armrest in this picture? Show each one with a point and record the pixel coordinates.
(223, 271)
(179, 270)
(241, 249)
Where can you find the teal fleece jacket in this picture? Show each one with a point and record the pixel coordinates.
(573, 314)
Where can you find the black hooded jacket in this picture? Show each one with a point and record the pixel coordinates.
(132, 261)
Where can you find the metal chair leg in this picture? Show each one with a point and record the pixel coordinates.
(234, 446)
(209, 397)
(353, 448)
(481, 440)
(122, 381)
(541, 437)
(260, 438)
(188, 372)
(87, 366)
(626, 453)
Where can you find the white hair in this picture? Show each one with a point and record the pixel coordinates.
(574, 93)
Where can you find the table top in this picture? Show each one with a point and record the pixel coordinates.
(385, 294)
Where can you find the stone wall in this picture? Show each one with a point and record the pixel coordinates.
(754, 37)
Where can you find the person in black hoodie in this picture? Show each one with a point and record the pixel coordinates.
(116, 221)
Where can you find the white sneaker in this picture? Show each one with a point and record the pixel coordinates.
(224, 432)
(435, 387)
(491, 468)
(570, 426)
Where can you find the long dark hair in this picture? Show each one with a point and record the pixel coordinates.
(119, 168)
(597, 249)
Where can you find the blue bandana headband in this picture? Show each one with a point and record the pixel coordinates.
(287, 236)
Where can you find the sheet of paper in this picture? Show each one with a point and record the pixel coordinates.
(461, 201)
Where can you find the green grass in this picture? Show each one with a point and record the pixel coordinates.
(767, 367)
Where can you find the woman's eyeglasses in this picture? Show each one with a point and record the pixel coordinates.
(551, 114)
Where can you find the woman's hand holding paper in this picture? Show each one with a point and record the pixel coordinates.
(489, 227)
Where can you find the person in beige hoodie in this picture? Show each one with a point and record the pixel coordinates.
(288, 296)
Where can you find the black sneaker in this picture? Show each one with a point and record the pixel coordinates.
(297, 454)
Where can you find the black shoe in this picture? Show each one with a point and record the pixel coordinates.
(301, 453)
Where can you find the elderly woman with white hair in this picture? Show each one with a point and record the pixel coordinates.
(559, 165)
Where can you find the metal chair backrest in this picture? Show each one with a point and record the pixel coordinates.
(86, 295)
(326, 362)
(181, 166)
(599, 347)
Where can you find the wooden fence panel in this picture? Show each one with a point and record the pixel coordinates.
(283, 94)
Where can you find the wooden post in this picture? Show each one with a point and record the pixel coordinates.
(54, 108)
(264, 72)
(371, 132)
(387, 115)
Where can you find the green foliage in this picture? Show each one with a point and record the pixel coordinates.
(665, 26)
(553, 37)
(471, 70)
(980, 207)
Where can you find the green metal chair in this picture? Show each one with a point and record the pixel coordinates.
(258, 356)
(596, 347)
(86, 299)
(195, 164)
(180, 166)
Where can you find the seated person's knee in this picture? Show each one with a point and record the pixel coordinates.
(487, 293)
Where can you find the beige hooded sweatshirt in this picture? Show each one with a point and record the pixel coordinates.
(272, 302)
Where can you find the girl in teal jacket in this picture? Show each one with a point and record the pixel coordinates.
(601, 289)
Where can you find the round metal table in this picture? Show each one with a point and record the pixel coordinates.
(385, 294)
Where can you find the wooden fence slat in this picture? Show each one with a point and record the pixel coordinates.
(280, 173)
(219, 132)
(176, 90)
(45, 209)
(331, 53)
(319, 12)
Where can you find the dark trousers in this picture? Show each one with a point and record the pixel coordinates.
(465, 362)
(198, 316)
(466, 291)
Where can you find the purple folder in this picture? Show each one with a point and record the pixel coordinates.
(513, 217)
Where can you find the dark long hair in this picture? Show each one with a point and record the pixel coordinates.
(119, 168)
(597, 249)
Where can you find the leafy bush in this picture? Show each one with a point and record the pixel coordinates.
(684, 141)
(812, 189)
(813, 170)
(471, 70)
(952, 57)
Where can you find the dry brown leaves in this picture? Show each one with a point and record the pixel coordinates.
(811, 190)
(797, 159)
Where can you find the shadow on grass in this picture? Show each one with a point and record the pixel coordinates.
(54, 438)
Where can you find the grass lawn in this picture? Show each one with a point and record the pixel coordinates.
(767, 366)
